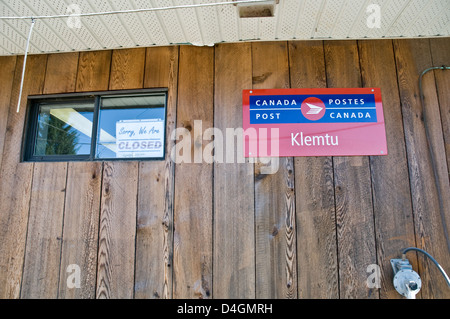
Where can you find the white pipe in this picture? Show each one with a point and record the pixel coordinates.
(137, 10)
(24, 64)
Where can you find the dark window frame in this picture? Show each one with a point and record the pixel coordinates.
(31, 122)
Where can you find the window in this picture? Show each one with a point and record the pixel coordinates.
(103, 126)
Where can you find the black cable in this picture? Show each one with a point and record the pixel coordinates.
(431, 258)
(430, 149)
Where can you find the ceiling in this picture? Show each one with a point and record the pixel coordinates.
(293, 19)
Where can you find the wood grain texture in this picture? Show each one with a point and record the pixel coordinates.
(83, 194)
(15, 181)
(353, 190)
(118, 217)
(314, 191)
(45, 227)
(156, 229)
(193, 181)
(431, 223)
(44, 236)
(234, 241)
(127, 69)
(275, 232)
(8, 66)
(61, 73)
(160, 63)
(393, 211)
(116, 251)
(93, 71)
(80, 232)
(440, 51)
(154, 237)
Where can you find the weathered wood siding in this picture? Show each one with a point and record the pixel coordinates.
(158, 229)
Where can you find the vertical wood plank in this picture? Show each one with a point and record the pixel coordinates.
(61, 73)
(15, 181)
(431, 224)
(160, 64)
(234, 242)
(440, 51)
(276, 268)
(353, 190)
(314, 191)
(80, 233)
(83, 193)
(42, 254)
(93, 71)
(392, 209)
(115, 272)
(45, 227)
(8, 66)
(193, 181)
(154, 235)
(127, 69)
(117, 237)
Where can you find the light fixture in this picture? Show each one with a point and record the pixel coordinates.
(259, 9)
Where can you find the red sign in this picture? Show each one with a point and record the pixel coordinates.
(313, 122)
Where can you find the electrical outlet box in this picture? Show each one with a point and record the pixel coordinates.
(257, 10)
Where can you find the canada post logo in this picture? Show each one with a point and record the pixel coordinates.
(322, 108)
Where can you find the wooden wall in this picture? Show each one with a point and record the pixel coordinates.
(163, 230)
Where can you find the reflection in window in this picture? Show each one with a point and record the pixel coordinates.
(131, 127)
(96, 125)
(64, 129)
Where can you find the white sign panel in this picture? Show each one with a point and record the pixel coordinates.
(140, 138)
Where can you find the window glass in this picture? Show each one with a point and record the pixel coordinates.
(131, 126)
(96, 126)
(64, 129)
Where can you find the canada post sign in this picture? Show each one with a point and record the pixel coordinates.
(313, 122)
